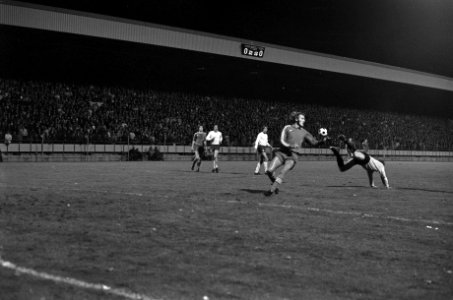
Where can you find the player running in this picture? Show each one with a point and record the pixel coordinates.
(291, 140)
(215, 137)
(261, 147)
(358, 157)
(198, 147)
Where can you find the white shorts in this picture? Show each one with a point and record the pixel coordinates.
(375, 165)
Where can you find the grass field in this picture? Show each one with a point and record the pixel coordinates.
(156, 230)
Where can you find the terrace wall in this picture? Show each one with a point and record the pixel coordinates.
(119, 152)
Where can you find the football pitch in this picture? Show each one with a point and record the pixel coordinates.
(157, 230)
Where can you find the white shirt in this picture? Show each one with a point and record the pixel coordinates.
(215, 137)
(375, 165)
(261, 140)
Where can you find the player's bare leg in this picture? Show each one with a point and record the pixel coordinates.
(275, 164)
(384, 180)
(289, 164)
(196, 160)
(258, 165)
(341, 164)
(199, 164)
(215, 166)
(257, 169)
(263, 161)
(370, 178)
(266, 159)
(199, 159)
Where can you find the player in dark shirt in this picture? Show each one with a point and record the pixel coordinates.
(198, 147)
(291, 139)
(361, 158)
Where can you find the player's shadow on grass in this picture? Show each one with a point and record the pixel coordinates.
(233, 173)
(397, 188)
(423, 190)
(252, 191)
(210, 171)
(349, 186)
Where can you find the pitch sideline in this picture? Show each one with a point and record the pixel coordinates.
(75, 282)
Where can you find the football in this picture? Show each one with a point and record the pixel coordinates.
(322, 131)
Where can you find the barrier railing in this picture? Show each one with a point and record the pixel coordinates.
(37, 148)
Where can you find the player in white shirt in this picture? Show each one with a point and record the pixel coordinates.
(357, 157)
(261, 147)
(215, 137)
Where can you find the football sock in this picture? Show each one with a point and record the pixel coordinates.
(270, 175)
(340, 161)
(258, 165)
(385, 181)
(276, 184)
(265, 166)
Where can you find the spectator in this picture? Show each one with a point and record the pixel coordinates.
(8, 139)
(57, 112)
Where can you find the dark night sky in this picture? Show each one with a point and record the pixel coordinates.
(414, 34)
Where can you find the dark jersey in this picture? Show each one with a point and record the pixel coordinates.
(293, 137)
(364, 161)
(199, 138)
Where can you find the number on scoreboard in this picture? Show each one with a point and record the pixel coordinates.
(252, 50)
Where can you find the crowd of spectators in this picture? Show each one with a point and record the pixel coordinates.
(46, 112)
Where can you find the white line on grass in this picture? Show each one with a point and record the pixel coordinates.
(69, 189)
(350, 213)
(75, 282)
(313, 209)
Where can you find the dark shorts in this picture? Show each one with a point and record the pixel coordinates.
(215, 147)
(285, 154)
(199, 149)
(363, 162)
(262, 150)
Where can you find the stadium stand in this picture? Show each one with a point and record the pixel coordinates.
(48, 112)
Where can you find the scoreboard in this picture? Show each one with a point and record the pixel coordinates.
(252, 50)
